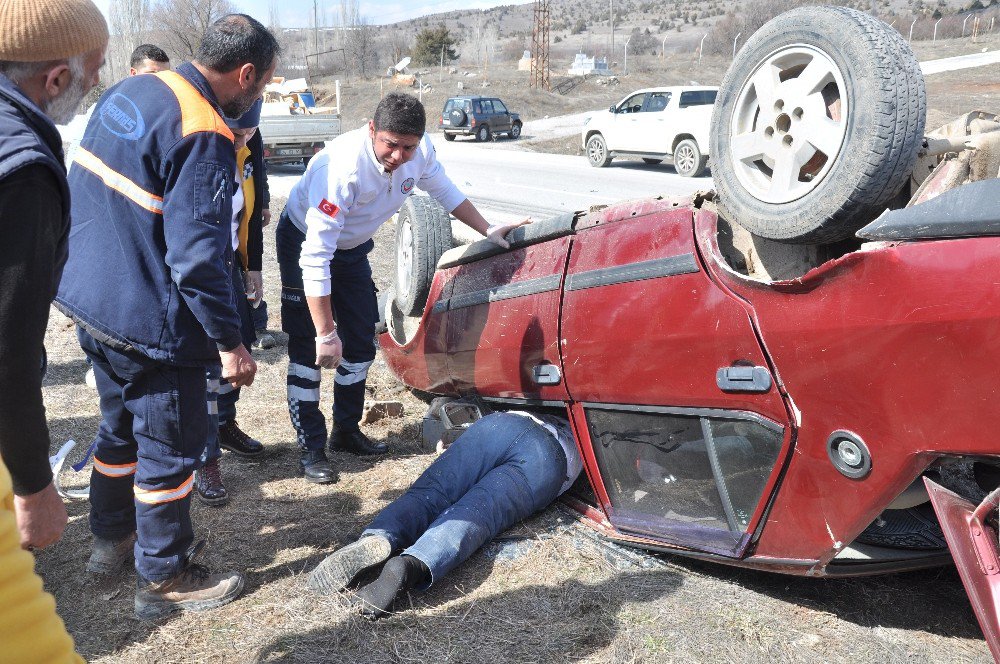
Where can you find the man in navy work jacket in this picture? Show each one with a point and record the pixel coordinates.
(148, 283)
(328, 303)
(50, 54)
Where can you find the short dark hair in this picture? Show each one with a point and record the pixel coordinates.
(147, 52)
(235, 40)
(401, 114)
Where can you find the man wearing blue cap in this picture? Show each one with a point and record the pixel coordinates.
(247, 237)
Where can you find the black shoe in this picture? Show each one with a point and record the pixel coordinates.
(208, 484)
(314, 466)
(355, 442)
(232, 438)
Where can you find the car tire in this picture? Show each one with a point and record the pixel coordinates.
(652, 162)
(850, 87)
(457, 117)
(449, 137)
(515, 131)
(689, 162)
(483, 133)
(423, 233)
(597, 151)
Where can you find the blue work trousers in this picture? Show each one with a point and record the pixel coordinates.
(154, 428)
(502, 470)
(222, 396)
(355, 308)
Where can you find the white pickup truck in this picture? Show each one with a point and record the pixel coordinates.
(296, 138)
(654, 124)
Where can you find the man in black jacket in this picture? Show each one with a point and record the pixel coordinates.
(50, 55)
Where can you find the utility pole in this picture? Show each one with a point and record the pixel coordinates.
(540, 46)
(315, 26)
(611, 19)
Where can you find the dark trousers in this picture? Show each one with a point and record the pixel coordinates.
(154, 427)
(355, 308)
(221, 392)
(503, 469)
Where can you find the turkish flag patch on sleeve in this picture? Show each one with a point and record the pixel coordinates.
(328, 208)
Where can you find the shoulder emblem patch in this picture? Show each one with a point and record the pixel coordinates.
(328, 208)
(407, 186)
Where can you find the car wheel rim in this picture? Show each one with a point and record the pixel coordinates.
(684, 159)
(596, 152)
(788, 124)
(404, 258)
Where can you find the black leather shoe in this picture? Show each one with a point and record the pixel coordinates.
(313, 465)
(232, 438)
(355, 442)
(208, 484)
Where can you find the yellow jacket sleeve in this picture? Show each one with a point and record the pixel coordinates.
(30, 630)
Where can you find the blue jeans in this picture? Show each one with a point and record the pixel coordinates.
(355, 308)
(154, 427)
(502, 470)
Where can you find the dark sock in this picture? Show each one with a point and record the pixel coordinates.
(398, 575)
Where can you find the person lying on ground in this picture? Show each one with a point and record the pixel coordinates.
(506, 467)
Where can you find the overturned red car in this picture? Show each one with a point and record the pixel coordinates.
(814, 398)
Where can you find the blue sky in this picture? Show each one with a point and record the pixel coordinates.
(297, 13)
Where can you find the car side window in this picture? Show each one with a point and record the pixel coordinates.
(697, 98)
(633, 104)
(498, 106)
(487, 106)
(656, 102)
(476, 107)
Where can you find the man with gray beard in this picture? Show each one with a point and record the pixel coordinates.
(50, 54)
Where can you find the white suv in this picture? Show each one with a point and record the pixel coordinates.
(654, 124)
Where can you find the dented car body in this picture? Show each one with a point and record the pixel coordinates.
(787, 425)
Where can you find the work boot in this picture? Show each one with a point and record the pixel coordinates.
(232, 438)
(110, 556)
(315, 467)
(265, 340)
(344, 565)
(208, 484)
(355, 442)
(194, 588)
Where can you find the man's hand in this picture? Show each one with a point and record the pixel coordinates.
(497, 232)
(254, 282)
(329, 350)
(265, 217)
(41, 518)
(238, 368)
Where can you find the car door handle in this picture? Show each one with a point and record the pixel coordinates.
(743, 379)
(546, 374)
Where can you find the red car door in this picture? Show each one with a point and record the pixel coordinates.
(682, 425)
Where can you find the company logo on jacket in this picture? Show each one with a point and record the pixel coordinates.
(407, 186)
(121, 117)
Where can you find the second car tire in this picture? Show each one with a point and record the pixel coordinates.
(483, 134)
(688, 160)
(817, 125)
(423, 233)
(597, 151)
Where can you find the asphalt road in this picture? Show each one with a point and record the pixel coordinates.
(510, 184)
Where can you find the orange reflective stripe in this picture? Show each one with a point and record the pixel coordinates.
(114, 469)
(197, 114)
(164, 495)
(119, 182)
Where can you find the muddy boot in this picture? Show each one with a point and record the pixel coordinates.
(194, 588)
(343, 565)
(111, 556)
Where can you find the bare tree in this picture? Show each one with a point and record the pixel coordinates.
(359, 43)
(182, 23)
(129, 25)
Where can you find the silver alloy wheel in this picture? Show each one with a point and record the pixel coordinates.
(788, 124)
(685, 160)
(596, 151)
(404, 257)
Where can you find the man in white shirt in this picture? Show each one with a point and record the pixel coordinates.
(328, 301)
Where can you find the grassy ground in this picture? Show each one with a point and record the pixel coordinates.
(550, 591)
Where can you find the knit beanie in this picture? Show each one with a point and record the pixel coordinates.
(42, 30)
